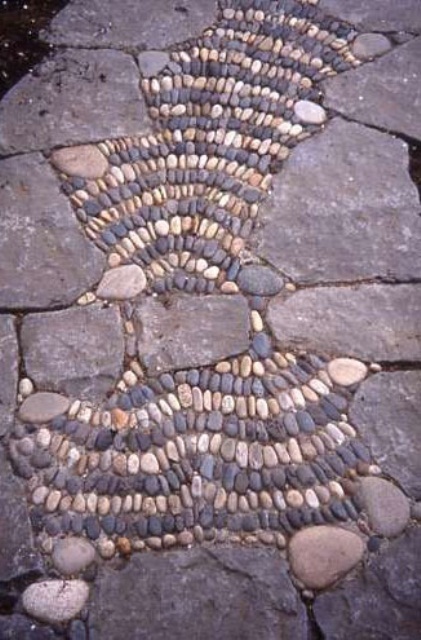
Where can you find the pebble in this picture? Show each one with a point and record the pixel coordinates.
(367, 46)
(310, 112)
(149, 463)
(347, 371)
(43, 407)
(55, 601)
(258, 280)
(26, 387)
(72, 555)
(122, 283)
(319, 556)
(387, 507)
(84, 161)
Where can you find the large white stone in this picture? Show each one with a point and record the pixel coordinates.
(55, 601)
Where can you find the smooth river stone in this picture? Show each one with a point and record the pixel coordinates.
(190, 332)
(55, 601)
(43, 407)
(319, 556)
(310, 112)
(258, 280)
(122, 283)
(72, 555)
(367, 46)
(386, 506)
(347, 371)
(85, 161)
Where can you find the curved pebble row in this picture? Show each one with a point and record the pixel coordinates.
(254, 447)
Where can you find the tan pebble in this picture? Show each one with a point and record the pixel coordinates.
(185, 538)
(106, 549)
(269, 457)
(347, 371)
(84, 161)
(149, 463)
(294, 451)
(294, 498)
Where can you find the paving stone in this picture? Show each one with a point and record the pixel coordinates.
(309, 112)
(43, 407)
(151, 24)
(55, 600)
(101, 86)
(45, 261)
(20, 627)
(387, 412)
(152, 62)
(78, 351)
(122, 283)
(72, 555)
(9, 372)
(257, 280)
(190, 332)
(18, 556)
(341, 224)
(346, 371)
(365, 321)
(386, 506)
(382, 602)
(85, 161)
(386, 93)
(367, 46)
(319, 556)
(218, 593)
(377, 15)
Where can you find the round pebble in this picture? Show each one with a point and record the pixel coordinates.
(43, 407)
(122, 283)
(347, 371)
(310, 112)
(72, 555)
(55, 601)
(85, 161)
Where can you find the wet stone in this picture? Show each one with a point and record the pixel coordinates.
(39, 239)
(181, 335)
(78, 351)
(233, 577)
(386, 411)
(55, 600)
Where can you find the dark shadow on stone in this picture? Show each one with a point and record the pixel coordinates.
(414, 150)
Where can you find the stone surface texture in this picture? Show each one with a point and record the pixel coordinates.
(341, 224)
(370, 45)
(151, 24)
(41, 111)
(78, 351)
(55, 601)
(382, 602)
(384, 94)
(319, 556)
(387, 412)
(17, 557)
(181, 335)
(152, 62)
(72, 555)
(19, 626)
(378, 15)
(386, 506)
(370, 322)
(8, 372)
(248, 594)
(40, 239)
(85, 161)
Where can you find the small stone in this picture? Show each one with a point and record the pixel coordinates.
(370, 45)
(387, 507)
(55, 601)
(72, 555)
(149, 463)
(347, 371)
(122, 283)
(321, 555)
(84, 161)
(151, 63)
(259, 281)
(43, 407)
(26, 387)
(309, 112)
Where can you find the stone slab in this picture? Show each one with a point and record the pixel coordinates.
(385, 93)
(190, 332)
(376, 15)
(45, 260)
(18, 626)
(78, 351)
(383, 602)
(18, 556)
(224, 593)
(344, 209)
(74, 97)
(150, 24)
(371, 322)
(9, 372)
(387, 412)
